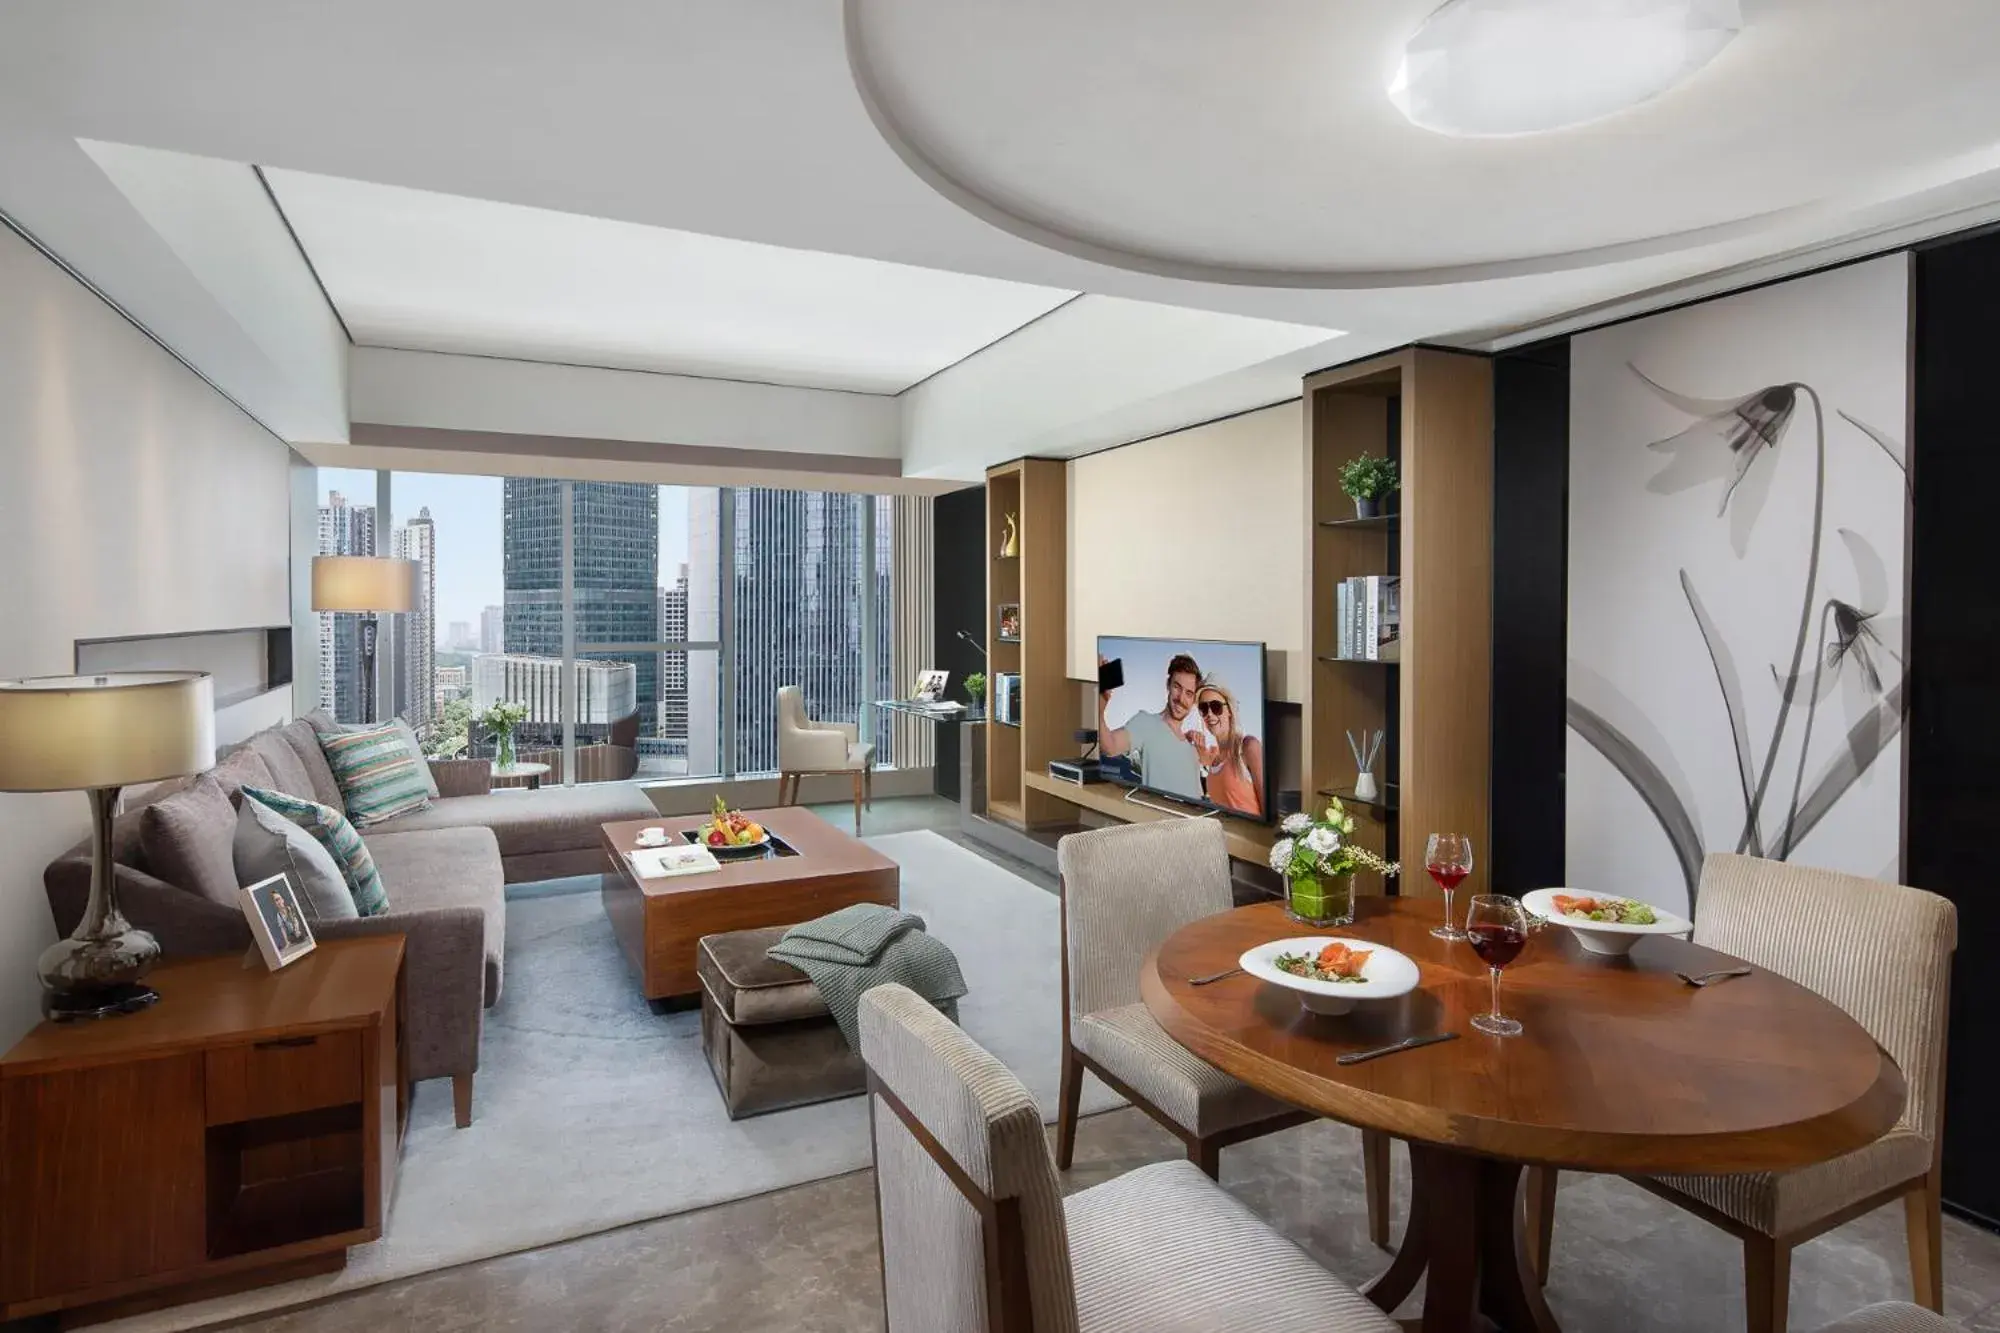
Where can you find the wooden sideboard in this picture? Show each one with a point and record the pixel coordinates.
(242, 1131)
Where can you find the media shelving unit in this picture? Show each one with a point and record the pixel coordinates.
(1035, 491)
(1431, 410)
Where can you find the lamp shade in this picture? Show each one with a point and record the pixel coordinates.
(64, 733)
(363, 583)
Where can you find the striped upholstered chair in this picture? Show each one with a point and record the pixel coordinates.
(1124, 890)
(1892, 1318)
(977, 1238)
(1888, 964)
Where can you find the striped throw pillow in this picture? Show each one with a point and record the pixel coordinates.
(380, 775)
(333, 832)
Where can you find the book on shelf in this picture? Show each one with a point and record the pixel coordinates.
(1007, 697)
(1368, 622)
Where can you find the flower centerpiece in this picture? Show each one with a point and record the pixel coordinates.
(500, 720)
(1318, 862)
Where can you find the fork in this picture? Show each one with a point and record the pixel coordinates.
(1213, 976)
(1710, 978)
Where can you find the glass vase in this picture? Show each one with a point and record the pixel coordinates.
(503, 748)
(1320, 900)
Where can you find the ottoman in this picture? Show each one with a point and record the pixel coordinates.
(768, 1037)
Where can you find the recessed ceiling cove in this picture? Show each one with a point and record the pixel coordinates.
(1254, 142)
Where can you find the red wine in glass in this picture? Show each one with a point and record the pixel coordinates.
(1497, 926)
(1448, 856)
(1496, 945)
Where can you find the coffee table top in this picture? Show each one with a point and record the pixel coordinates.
(823, 851)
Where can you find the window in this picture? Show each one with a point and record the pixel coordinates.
(654, 651)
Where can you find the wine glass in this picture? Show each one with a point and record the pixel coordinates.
(1448, 857)
(1498, 929)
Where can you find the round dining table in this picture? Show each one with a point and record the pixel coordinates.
(1621, 1067)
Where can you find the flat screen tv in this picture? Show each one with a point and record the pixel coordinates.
(1185, 718)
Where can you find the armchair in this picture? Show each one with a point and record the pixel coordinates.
(807, 748)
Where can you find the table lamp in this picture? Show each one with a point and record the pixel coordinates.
(98, 734)
(366, 585)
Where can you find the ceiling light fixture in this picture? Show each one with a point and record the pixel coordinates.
(1496, 67)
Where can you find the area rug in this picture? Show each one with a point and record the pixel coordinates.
(592, 1112)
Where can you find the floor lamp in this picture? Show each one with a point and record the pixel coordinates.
(365, 585)
(99, 734)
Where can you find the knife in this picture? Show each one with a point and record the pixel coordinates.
(1406, 1044)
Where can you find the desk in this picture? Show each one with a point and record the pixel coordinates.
(971, 724)
(1621, 1068)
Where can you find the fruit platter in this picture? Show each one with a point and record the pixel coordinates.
(732, 833)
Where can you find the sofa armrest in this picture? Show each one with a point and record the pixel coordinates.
(462, 777)
(185, 923)
(444, 976)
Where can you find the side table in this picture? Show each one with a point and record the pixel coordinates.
(529, 775)
(243, 1131)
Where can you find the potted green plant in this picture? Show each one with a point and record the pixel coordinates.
(500, 720)
(1369, 480)
(1318, 862)
(975, 688)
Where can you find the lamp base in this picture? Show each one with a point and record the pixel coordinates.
(97, 1002)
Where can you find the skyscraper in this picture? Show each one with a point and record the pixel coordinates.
(674, 665)
(416, 633)
(797, 611)
(458, 637)
(344, 529)
(616, 572)
(492, 630)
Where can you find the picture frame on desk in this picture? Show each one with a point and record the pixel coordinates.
(277, 921)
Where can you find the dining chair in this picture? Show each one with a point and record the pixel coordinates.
(977, 1238)
(809, 749)
(1892, 1317)
(1882, 952)
(1124, 889)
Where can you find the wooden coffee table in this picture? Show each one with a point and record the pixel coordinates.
(659, 921)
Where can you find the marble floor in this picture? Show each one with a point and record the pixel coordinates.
(804, 1259)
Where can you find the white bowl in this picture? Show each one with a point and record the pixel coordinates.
(1605, 937)
(1386, 975)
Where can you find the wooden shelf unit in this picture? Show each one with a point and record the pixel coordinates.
(1432, 411)
(1247, 841)
(1035, 491)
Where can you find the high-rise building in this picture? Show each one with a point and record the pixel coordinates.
(615, 540)
(492, 630)
(458, 637)
(674, 665)
(416, 633)
(796, 611)
(605, 691)
(344, 529)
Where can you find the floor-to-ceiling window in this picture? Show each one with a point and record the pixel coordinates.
(646, 629)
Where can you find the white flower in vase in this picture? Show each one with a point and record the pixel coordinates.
(1296, 824)
(1281, 854)
(1322, 841)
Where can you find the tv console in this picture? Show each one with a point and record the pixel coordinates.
(1247, 841)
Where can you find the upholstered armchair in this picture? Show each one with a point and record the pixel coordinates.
(1882, 952)
(807, 748)
(1124, 890)
(1892, 1317)
(977, 1235)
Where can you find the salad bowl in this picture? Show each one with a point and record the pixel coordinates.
(1384, 975)
(1611, 938)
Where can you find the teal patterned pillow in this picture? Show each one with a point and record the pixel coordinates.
(333, 831)
(380, 774)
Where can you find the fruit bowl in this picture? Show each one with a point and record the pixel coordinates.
(732, 833)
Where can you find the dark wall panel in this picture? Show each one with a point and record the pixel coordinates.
(1530, 613)
(960, 591)
(1953, 741)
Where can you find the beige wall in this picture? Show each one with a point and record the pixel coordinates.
(134, 499)
(1200, 535)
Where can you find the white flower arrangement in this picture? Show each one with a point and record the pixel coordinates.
(1318, 847)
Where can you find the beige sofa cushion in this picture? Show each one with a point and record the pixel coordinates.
(446, 868)
(189, 840)
(554, 819)
(299, 734)
(288, 771)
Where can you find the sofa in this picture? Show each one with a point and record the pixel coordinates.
(445, 868)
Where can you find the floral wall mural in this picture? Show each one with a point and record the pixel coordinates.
(1738, 506)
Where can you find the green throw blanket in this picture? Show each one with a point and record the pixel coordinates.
(849, 951)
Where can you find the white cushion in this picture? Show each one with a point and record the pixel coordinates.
(1892, 1317)
(1164, 1249)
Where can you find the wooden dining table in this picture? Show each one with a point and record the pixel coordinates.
(1621, 1067)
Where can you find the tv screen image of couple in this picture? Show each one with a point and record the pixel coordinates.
(1185, 718)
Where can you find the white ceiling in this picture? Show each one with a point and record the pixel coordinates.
(1239, 159)
(437, 272)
